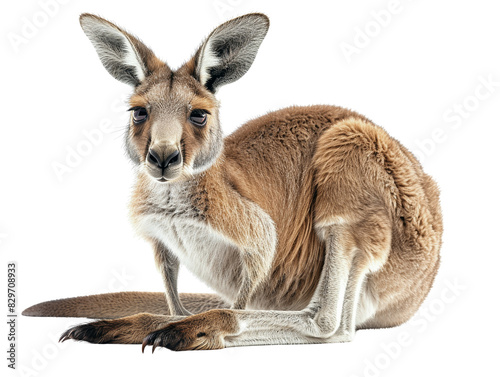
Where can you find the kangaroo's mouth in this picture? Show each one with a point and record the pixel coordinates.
(164, 176)
(162, 170)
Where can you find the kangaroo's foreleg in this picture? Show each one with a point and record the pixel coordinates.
(253, 231)
(168, 264)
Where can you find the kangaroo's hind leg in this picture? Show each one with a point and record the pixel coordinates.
(133, 329)
(356, 193)
(330, 316)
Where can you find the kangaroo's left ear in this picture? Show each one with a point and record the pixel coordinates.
(230, 50)
(124, 56)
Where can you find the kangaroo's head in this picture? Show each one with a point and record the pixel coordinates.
(174, 129)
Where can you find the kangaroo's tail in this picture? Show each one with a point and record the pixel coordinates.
(117, 305)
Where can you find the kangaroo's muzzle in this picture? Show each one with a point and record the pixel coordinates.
(164, 163)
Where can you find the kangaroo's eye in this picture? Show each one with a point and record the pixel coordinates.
(139, 115)
(198, 117)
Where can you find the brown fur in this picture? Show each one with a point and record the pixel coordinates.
(292, 134)
(381, 188)
(197, 332)
(327, 177)
(116, 305)
(289, 196)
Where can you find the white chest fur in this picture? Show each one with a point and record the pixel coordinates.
(169, 217)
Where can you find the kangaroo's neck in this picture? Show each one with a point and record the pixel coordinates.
(210, 188)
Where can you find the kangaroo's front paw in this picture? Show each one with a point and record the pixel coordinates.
(205, 331)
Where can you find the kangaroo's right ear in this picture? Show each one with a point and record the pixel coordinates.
(124, 56)
(230, 50)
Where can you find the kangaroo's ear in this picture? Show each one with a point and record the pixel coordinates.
(124, 56)
(230, 50)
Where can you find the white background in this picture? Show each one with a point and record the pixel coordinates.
(71, 236)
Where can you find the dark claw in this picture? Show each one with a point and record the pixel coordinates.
(86, 332)
(166, 337)
(64, 337)
(148, 341)
(68, 334)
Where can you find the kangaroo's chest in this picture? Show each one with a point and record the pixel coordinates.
(170, 218)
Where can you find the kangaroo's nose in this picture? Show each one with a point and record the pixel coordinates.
(163, 162)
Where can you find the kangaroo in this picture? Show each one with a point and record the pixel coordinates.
(309, 222)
